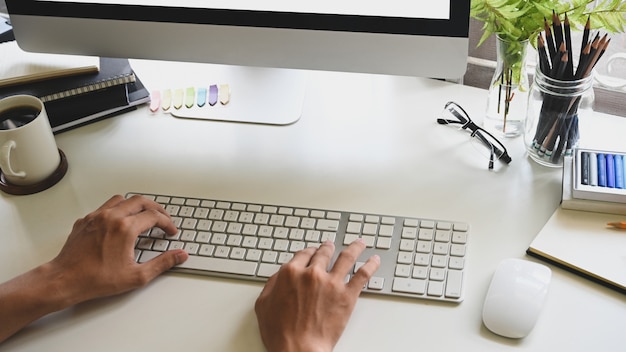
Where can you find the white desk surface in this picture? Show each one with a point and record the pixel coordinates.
(364, 143)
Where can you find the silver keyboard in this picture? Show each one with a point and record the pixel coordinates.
(420, 258)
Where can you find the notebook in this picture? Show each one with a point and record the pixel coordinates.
(101, 104)
(74, 101)
(111, 72)
(581, 242)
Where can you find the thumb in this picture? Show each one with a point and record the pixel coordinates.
(165, 261)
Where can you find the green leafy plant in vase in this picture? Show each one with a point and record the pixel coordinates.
(516, 23)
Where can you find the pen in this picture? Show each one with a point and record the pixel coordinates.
(601, 170)
(618, 224)
(610, 171)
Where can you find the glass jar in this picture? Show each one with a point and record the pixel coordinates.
(508, 92)
(555, 108)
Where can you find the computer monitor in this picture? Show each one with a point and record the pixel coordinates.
(411, 38)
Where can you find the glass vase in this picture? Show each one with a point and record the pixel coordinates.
(555, 108)
(509, 89)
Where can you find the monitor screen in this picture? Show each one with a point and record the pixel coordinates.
(415, 38)
(419, 38)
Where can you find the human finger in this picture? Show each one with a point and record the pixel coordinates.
(365, 272)
(150, 218)
(303, 257)
(345, 262)
(138, 203)
(161, 263)
(269, 287)
(323, 255)
(112, 202)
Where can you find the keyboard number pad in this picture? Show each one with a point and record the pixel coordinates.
(431, 259)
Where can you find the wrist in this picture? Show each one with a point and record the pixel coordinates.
(29, 297)
(61, 290)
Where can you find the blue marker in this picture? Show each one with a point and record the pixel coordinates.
(610, 171)
(619, 171)
(624, 165)
(601, 170)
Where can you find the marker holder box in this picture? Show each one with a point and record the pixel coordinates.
(599, 175)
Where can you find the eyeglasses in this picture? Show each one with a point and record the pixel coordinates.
(458, 116)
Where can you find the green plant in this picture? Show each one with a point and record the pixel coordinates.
(518, 20)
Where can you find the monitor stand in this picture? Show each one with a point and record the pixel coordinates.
(256, 94)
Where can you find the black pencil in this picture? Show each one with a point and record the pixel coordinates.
(558, 70)
(586, 33)
(582, 62)
(603, 50)
(594, 55)
(549, 39)
(544, 63)
(556, 61)
(558, 30)
(569, 71)
(584, 66)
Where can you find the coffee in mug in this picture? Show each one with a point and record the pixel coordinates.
(17, 117)
(28, 150)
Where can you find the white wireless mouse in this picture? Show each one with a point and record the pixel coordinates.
(515, 297)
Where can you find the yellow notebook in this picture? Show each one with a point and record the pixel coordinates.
(18, 66)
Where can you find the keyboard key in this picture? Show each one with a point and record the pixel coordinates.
(369, 240)
(253, 255)
(403, 270)
(456, 263)
(228, 266)
(269, 257)
(405, 258)
(267, 270)
(385, 230)
(160, 245)
(145, 243)
(284, 257)
(409, 285)
(349, 238)
(192, 248)
(327, 225)
(206, 250)
(420, 272)
(454, 283)
(222, 252)
(435, 288)
(383, 243)
(376, 283)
